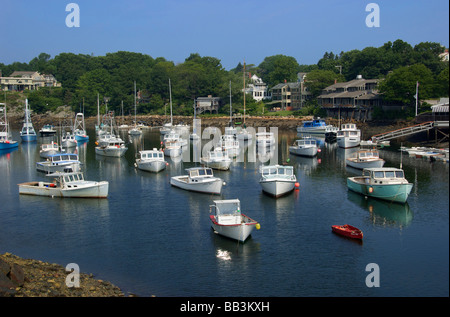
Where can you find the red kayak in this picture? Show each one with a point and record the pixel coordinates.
(348, 231)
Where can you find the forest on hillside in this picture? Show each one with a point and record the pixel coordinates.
(112, 77)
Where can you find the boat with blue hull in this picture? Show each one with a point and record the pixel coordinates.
(316, 126)
(6, 143)
(79, 129)
(385, 183)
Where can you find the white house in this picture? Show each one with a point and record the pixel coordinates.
(258, 89)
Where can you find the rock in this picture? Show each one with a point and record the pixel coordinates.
(17, 275)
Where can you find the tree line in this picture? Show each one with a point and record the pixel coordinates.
(111, 77)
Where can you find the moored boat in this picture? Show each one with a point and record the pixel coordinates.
(347, 231)
(48, 149)
(59, 162)
(68, 140)
(79, 129)
(151, 161)
(228, 221)
(6, 142)
(27, 134)
(386, 183)
(348, 136)
(365, 159)
(217, 159)
(277, 180)
(304, 147)
(115, 147)
(316, 126)
(47, 130)
(66, 185)
(199, 179)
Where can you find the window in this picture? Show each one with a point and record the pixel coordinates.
(390, 174)
(378, 175)
(399, 174)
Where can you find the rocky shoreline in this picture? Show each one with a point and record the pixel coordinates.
(33, 278)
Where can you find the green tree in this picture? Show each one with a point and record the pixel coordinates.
(317, 80)
(278, 68)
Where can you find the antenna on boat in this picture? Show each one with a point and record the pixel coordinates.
(401, 156)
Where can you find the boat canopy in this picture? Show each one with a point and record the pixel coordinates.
(277, 170)
(63, 157)
(227, 207)
(384, 173)
(200, 171)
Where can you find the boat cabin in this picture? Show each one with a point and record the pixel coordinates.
(367, 154)
(50, 146)
(277, 171)
(199, 172)
(227, 212)
(308, 142)
(152, 155)
(56, 159)
(384, 175)
(314, 123)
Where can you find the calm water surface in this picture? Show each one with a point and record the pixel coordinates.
(149, 238)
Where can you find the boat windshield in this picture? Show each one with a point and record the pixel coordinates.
(387, 174)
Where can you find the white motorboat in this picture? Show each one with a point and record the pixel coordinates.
(228, 221)
(173, 149)
(217, 159)
(277, 180)
(48, 149)
(47, 130)
(348, 136)
(115, 147)
(304, 147)
(199, 179)
(68, 140)
(228, 144)
(60, 162)
(174, 136)
(365, 159)
(67, 185)
(27, 134)
(265, 139)
(151, 161)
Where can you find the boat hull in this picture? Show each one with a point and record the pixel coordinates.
(8, 145)
(305, 151)
(173, 152)
(110, 151)
(28, 137)
(217, 165)
(151, 166)
(390, 192)
(347, 231)
(277, 188)
(240, 231)
(364, 164)
(209, 186)
(96, 190)
(348, 142)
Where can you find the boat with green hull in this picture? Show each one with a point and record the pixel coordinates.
(385, 183)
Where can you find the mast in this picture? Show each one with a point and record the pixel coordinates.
(230, 105)
(135, 104)
(170, 96)
(244, 93)
(98, 111)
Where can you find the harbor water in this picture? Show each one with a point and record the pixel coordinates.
(150, 238)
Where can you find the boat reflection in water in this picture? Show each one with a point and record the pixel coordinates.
(383, 213)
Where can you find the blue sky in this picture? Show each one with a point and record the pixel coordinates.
(231, 30)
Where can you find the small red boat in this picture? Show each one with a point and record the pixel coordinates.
(347, 231)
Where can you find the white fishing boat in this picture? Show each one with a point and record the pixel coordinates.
(151, 161)
(304, 147)
(227, 220)
(60, 162)
(173, 149)
(385, 183)
(243, 134)
(365, 159)
(27, 134)
(231, 130)
(68, 140)
(79, 129)
(277, 180)
(48, 149)
(174, 136)
(66, 185)
(217, 159)
(115, 147)
(6, 142)
(47, 130)
(348, 136)
(199, 179)
(228, 144)
(265, 139)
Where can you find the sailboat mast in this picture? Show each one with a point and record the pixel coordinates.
(230, 105)
(135, 104)
(170, 96)
(244, 93)
(98, 111)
